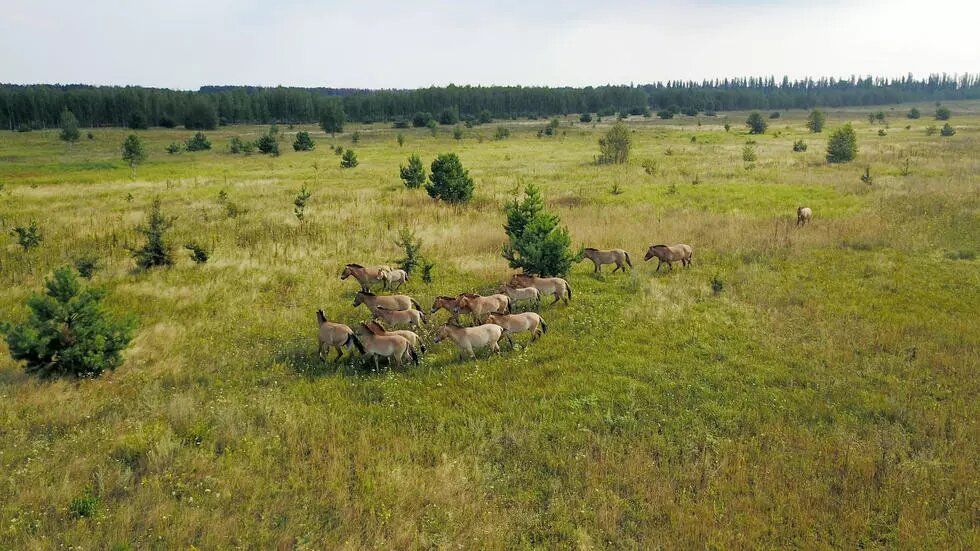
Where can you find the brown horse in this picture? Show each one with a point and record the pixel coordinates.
(480, 306)
(391, 302)
(365, 276)
(619, 257)
(449, 304)
(336, 335)
(555, 286)
(670, 254)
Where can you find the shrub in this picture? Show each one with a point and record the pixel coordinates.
(400, 138)
(774, 115)
(156, 251)
(201, 115)
(728, 126)
(166, 121)
(268, 143)
(137, 121)
(943, 113)
(867, 178)
(355, 137)
(649, 166)
(237, 145)
(413, 251)
(457, 132)
(175, 148)
(502, 133)
(449, 115)
(303, 142)
(666, 114)
(84, 506)
(133, 152)
(448, 180)
(90, 135)
(69, 127)
(414, 174)
(28, 237)
(947, 130)
(585, 117)
(338, 150)
(748, 153)
(815, 121)
(433, 127)
(67, 331)
(799, 146)
(717, 285)
(930, 130)
(299, 203)
(332, 116)
(484, 117)
(198, 253)
(913, 113)
(198, 143)
(842, 146)
(756, 124)
(614, 147)
(421, 119)
(690, 111)
(348, 159)
(86, 264)
(537, 244)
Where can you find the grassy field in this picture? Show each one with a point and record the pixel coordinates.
(824, 396)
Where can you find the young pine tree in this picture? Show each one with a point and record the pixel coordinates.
(414, 174)
(537, 244)
(156, 251)
(69, 127)
(448, 180)
(842, 146)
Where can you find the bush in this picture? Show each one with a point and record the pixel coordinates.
(947, 130)
(175, 148)
(665, 114)
(815, 121)
(484, 117)
(756, 124)
(774, 115)
(67, 331)
(198, 253)
(198, 143)
(268, 143)
(332, 116)
(585, 117)
(842, 146)
(355, 137)
(137, 121)
(28, 237)
(882, 132)
(400, 138)
(690, 111)
(303, 142)
(748, 153)
(421, 119)
(537, 244)
(156, 251)
(502, 133)
(913, 113)
(413, 252)
(728, 127)
(166, 121)
(943, 113)
(414, 174)
(69, 127)
(86, 264)
(201, 115)
(433, 127)
(799, 146)
(930, 130)
(237, 145)
(348, 159)
(614, 147)
(133, 152)
(457, 132)
(448, 180)
(449, 115)
(84, 506)
(299, 203)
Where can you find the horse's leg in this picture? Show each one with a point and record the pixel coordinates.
(340, 352)
(319, 351)
(659, 262)
(558, 296)
(670, 265)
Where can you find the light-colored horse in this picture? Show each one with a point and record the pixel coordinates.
(803, 215)
(670, 254)
(518, 323)
(336, 335)
(393, 347)
(391, 302)
(619, 257)
(555, 286)
(469, 338)
(368, 276)
(410, 336)
(394, 278)
(412, 318)
(525, 293)
(480, 306)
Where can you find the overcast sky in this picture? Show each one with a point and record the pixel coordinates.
(407, 44)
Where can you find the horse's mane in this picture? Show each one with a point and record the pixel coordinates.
(354, 266)
(375, 327)
(444, 297)
(469, 295)
(320, 317)
(591, 249)
(655, 246)
(366, 293)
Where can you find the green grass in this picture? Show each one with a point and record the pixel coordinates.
(826, 396)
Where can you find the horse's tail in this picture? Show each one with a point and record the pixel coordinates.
(568, 288)
(415, 304)
(628, 262)
(422, 316)
(510, 304)
(413, 354)
(544, 326)
(421, 346)
(356, 342)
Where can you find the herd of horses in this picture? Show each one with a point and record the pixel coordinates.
(493, 316)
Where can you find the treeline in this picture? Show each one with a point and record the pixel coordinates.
(40, 106)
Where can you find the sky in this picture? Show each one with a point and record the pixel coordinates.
(185, 44)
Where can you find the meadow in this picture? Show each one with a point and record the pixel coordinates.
(795, 388)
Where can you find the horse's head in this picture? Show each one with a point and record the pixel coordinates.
(441, 333)
(652, 252)
(359, 298)
(320, 318)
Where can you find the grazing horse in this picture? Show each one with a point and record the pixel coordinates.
(526, 293)
(803, 215)
(670, 254)
(480, 306)
(450, 304)
(391, 302)
(469, 338)
(390, 346)
(336, 335)
(518, 323)
(391, 277)
(413, 318)
(365, 276)
(411, 337)
(545, 285)
(619, 257)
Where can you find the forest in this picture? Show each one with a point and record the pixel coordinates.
(30, 107)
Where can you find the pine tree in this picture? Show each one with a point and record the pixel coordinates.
(414, 174)
(69, 127)
(332, 117)
(156, 251)
(448, 180)
(815, 121)
(537, 244)
(614, 147)
(756, 123)
(842, 146)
